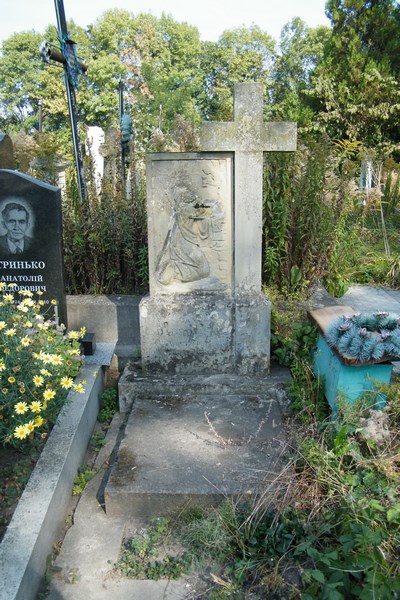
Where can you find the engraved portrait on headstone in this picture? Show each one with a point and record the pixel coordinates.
(16, 226)
(193, 243)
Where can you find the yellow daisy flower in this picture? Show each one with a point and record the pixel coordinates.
(45, 372)
(30, 427)
(20, 432)
(57, 359)
(35, 406)
(79, 388)
(25, 341)
(49, 394)
(21, 408)
(11, 380)
(38, 380)
(66, 382)
(22, 307)
(39, 421)
(10, 332)
(73, 335)
(8, 297)
(2, 366)
(3, 324)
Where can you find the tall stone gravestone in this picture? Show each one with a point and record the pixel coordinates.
(31, 239)
(206, 312)
(7, 160)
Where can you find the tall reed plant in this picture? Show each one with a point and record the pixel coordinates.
(105, 238)
(308, 204)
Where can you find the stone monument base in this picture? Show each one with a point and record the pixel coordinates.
(202, 333)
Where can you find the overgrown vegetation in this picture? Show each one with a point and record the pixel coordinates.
(105, 239)
(326, 527)
(320, 226)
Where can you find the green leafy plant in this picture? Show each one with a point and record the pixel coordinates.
(140, 556)
(296, 346)
(38, 363)
(97, 441)
(82, 479)
(109, 405)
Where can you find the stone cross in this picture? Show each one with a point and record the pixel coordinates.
(248, 136)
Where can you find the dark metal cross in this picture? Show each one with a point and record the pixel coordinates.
(72, 68)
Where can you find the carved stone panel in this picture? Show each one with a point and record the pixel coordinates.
(189, 203)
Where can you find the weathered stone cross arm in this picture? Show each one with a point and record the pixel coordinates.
(248, 136)
(248, 132)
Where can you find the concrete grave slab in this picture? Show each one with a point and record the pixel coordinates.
(196, 446)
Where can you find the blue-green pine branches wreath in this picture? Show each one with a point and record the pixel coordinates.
(365, 337)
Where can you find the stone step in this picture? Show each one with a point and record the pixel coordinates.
(134, 384)
(184, 446)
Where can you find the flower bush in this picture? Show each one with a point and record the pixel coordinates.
(38, 363)
(366, 337)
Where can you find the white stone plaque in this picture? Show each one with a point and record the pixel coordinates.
(189, 205)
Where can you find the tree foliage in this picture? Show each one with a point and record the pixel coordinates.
(355, 86)
(342, 81)
(301, 51)
(20, 74)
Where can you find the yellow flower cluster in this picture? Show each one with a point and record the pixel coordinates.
(38, 364)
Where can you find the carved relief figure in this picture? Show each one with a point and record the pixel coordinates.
(182, 258)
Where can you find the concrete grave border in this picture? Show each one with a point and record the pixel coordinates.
(42, 507)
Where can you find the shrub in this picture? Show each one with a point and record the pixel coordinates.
(38, 363)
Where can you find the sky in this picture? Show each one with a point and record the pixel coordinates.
(211, 17)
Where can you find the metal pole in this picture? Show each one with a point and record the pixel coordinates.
(63, 35)
(121, 114)
(40, 126)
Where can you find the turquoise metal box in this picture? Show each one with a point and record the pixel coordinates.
(348, 381)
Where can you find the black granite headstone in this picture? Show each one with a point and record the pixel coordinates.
(31, 238)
